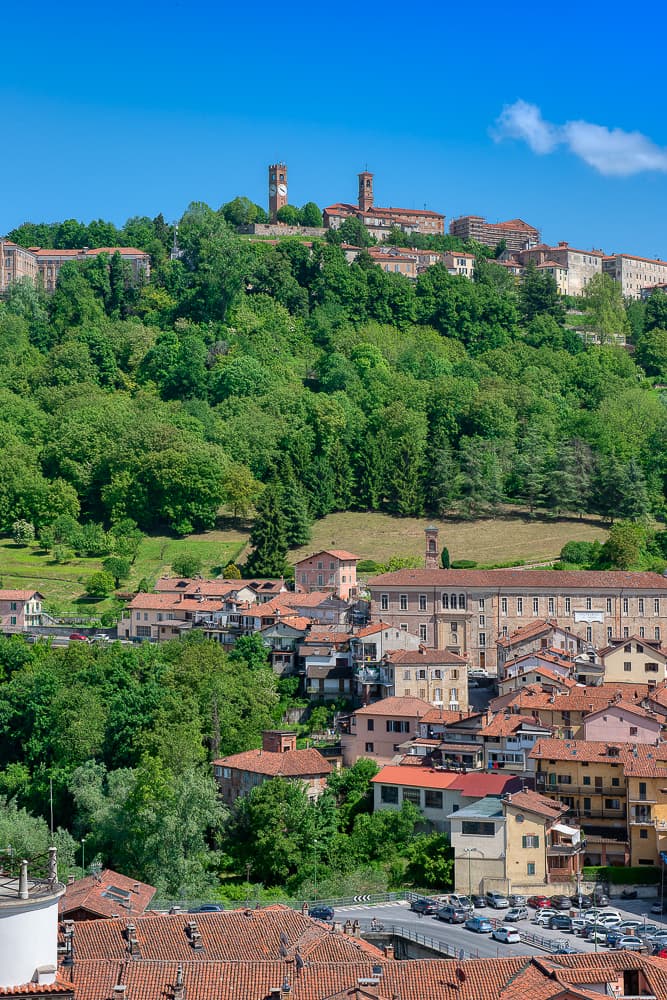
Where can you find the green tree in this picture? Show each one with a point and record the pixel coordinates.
(604, 311)
(100, 584)
(353, 231)
(538, 295)
(118, 567)
(251, 650)
(444, 558)
(310, 214)
(623, 548)
(431, 862)
(651, 352)
(656, 311)
(186, 564)
(268, 536)
(289, 215)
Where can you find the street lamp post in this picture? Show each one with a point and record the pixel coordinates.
(315, 845)
(83, 856)
(469, 851)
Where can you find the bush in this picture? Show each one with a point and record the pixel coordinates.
(580, 553)
(618, 875)
(368, 566)
(23, 532)
(464, 564)
(231, 572)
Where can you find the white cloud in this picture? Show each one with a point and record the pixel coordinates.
(611, 152)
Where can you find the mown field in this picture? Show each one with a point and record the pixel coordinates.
(370, 536)
(492, 540)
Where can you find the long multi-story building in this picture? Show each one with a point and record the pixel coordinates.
(380, 221)
(42, 264)
(516, 233)
(634, 274)
(468, 610)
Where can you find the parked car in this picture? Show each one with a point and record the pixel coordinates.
(629, 894)
(517, 900)
(464, 902)
(630, 926)
(517, 913)
(629, 943)
(578, 924)
(542, 917)
(561, 902)
(560, 922)
(321, 912)
(424, 905)
(659, 906)
(497, 900)
(508, 935)
(605, 920)
(101, 637)
(614, 936)
(590, 933)
(452, 914)
(582, 902)
(207, 908)
(600, 897)
(78, 637)
(539, 902)
(479, 924)
(479, 902)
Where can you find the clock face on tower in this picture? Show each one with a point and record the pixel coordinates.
(282, 189)
(272, 188)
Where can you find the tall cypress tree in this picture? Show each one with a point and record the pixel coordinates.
(268, 536)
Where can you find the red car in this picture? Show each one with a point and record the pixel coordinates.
(77, 635)
(539, 902)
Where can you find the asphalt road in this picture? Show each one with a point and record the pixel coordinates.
(482, 945)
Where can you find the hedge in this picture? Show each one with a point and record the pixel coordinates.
(464, 564)
(618, 875)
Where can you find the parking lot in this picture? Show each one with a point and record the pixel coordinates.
(534, 939)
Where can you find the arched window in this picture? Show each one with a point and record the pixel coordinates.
(453, 602)
(462, 601)
(431, 545)
(445, 601)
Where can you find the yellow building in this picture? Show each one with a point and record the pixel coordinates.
(634, 660)
(594, 780)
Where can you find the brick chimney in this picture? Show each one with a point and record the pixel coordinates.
(278, 741)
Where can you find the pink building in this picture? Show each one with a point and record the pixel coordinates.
(377, 731)
(622, 722)
(331, 570)
(20, 609)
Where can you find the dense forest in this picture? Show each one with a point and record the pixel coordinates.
(244, 361)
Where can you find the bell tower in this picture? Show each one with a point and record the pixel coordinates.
(277, 189)
(432, 548)
(365, 190)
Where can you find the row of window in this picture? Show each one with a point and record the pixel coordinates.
(456, 602)
(432, 799)
(436, 674)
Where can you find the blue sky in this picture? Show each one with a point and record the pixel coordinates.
(135, 108)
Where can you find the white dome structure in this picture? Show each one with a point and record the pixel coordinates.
(29, 926)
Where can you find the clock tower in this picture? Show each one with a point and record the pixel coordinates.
(277, 189)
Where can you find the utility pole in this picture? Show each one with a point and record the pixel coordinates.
(248, 869)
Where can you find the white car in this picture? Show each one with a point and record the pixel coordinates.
(606, 920)
(508, 935)
(543, 917)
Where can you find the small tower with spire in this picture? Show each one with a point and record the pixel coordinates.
(432, 556)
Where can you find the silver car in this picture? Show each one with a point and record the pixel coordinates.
(516, 913)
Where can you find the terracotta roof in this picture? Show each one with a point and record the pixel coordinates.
(530, 631)
(56, 988)
(624, 706)
(96, 894)
(447, 715)
(631, 256)
(598, 751)
(504, 725)
(147, 601)
(341, 554)
(576, 699)
(289, 764)
(415, 777)
(526, 579)
(426, 655)
(259, 969)
(479, 784)
(534, 802)
(19, 595)
(373, 629)
(396, 706)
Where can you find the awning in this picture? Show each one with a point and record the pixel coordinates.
(569, 831)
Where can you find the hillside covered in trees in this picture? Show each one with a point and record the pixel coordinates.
(244, 362)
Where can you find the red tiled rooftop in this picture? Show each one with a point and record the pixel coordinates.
(92, 893)
(396, 706)
(426, 655)
(527, 579)
(289, 764)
